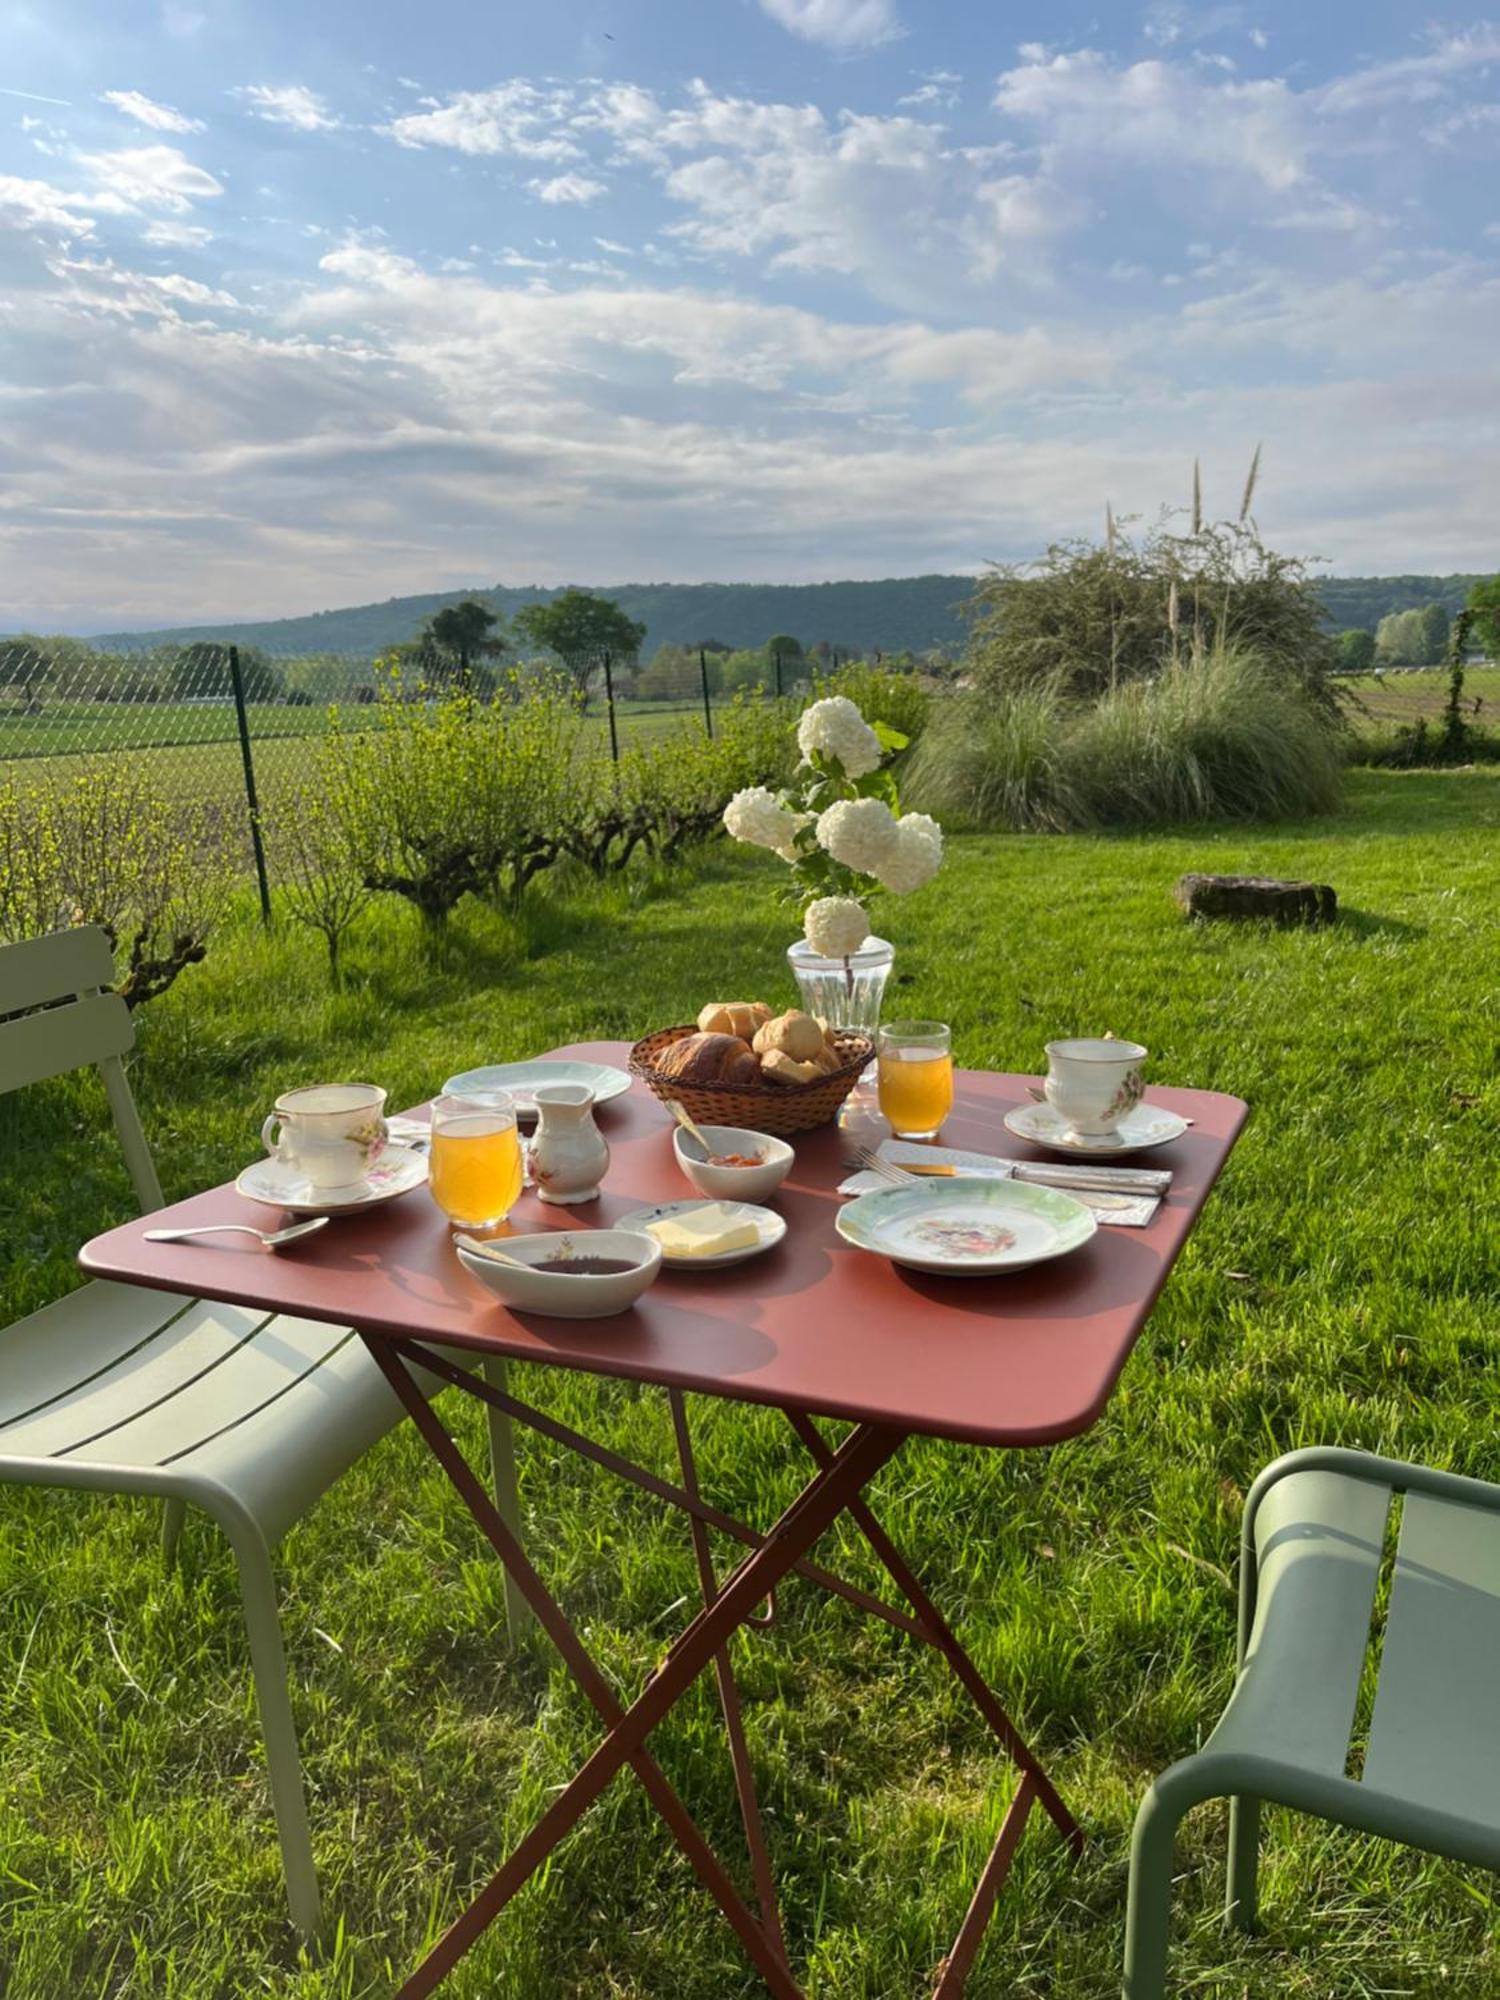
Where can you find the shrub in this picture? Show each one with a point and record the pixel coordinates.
(1215, 737)
(105, 847)
(1096, 617)
(319, 881)
(881, 694)
(664, 795)
(451, 796)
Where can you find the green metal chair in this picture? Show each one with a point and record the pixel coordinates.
(251, 1416)
(1312, 1557)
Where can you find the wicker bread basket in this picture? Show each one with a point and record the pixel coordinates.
(778, 1108)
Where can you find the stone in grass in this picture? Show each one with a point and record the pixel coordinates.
(1257, 896)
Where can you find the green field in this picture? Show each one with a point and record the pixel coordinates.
(1404, 697)
(194, 752)
(1344, 1285)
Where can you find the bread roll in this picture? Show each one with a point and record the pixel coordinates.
(733, 1017)
(828, 1059)
(710, 1059)
(794, 1034)
(782, 1068)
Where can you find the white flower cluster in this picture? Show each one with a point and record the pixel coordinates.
(836, 727)
(858, 832)
(758, 817)
(836, 926)
(865, 835)
(916, 855)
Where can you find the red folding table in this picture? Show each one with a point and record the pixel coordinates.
(814, 1328)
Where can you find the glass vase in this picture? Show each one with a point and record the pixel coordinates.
(846, 992)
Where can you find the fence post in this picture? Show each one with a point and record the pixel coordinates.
(708, 707)
(237, 681)
(776, 656)
(609, 696)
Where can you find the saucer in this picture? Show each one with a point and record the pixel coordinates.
(521, 1080)
(770, 1225)
(280, 1185)
(1146, 1126)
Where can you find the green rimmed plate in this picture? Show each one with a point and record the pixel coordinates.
(967, 1228)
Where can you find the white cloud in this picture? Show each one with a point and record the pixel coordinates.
(937, 88)
(1171, 21)
(837, 24)
(149, 177)
(463, 415)
(515, 118)
(884, 200)
(176, 235)
(37, 205)
(568, 189)
(1162, 115)
(289, 104)
(145, 110)
(1414, 79)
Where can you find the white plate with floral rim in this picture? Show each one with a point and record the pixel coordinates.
(521, 1079)
(967, 1228)
(770, 1228)
(1146, 1126)
(280, 1185)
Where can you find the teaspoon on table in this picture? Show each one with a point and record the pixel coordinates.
(269, 1239)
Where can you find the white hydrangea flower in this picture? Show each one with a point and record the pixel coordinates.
(836, 727)
(859, 832)
(758, 817)
(836, 926)
(915, 857)
(788, 850)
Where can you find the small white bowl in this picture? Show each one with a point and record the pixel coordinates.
(733, 1183)
(567, 1294)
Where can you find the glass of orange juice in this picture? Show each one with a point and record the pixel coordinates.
(475, 1169)
(916, 1076)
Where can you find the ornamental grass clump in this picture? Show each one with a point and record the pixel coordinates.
(839, 826)
(1212, 736)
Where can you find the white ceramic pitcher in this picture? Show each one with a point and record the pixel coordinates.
(569, 1156)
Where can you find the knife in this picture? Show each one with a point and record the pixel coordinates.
(1040, 1173)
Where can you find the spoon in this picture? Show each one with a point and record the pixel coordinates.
(489, 1250)
(268, 1239)
(685, 1119)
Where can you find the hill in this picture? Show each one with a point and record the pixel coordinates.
(894, 614)
(1365, 600)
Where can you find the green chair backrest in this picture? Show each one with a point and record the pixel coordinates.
(67, 976)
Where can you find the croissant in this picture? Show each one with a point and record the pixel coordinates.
(794, 1034)
(710, 1059)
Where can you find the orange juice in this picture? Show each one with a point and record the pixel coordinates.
(916, 1089)
(475, 1170)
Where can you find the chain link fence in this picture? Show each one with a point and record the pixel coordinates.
(242, 730)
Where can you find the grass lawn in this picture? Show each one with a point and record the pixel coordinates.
(1343, 1286)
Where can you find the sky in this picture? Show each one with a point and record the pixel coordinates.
(307, 303)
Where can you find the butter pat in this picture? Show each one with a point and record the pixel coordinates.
(703, 1232)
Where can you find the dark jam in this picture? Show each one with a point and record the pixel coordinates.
(588, 1267)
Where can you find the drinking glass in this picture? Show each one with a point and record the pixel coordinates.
(475, 1169)
(916, 1076)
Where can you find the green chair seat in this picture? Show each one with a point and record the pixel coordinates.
(1313, 1555)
